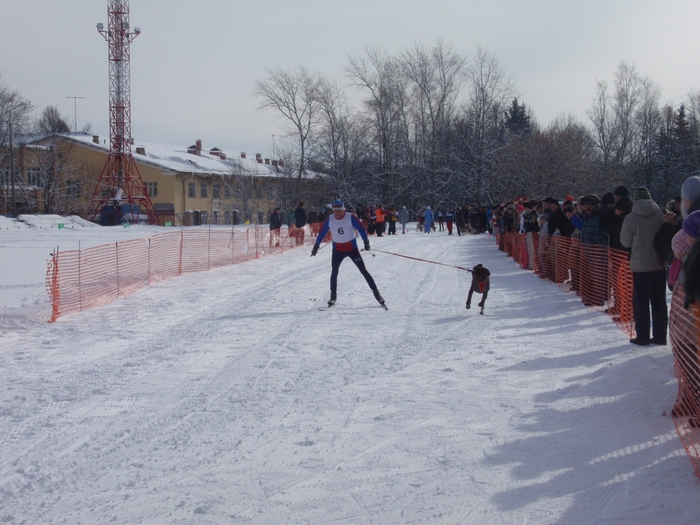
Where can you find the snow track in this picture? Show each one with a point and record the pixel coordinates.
(228, 397)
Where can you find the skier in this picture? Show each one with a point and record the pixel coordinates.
(342, 226)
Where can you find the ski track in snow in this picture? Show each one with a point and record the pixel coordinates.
(228, 397)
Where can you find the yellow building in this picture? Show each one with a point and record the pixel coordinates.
(191, 185)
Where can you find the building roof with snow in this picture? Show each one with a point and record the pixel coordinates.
(178, 159)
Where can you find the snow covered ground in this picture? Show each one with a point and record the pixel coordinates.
(228, 397)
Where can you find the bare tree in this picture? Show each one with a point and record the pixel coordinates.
(14, 115)
(490, 90)
(628, 93)
(605, 129)
(239, 191)
(294, 95)
(548, 162)
(620, 132)
(51, 121)
(340, 147)
(382, 78)
(648, 122)
(436, 77)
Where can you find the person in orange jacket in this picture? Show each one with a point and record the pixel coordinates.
(379, 224)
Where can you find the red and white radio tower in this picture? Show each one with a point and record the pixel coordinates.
(120, 180)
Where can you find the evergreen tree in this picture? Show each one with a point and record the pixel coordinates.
(517, 119)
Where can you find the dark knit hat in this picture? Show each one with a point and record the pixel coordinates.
(621, 191)
(624, 204)
(589, 199)
(641, 194)
(691, 224)
(608, 198)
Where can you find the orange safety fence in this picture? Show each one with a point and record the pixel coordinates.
(80, 279)
(598, 274)
(683, 329)
(602, 278)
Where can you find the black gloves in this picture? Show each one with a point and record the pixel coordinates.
(314, 250)
(367, 245)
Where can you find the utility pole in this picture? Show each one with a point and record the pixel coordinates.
(75, 113)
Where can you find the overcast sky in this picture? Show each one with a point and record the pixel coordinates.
(194, 66)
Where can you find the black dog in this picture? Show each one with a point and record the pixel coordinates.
(480, 283)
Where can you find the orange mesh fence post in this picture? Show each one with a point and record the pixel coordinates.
(621, 290)
(52, 287)
(132, 265)
(684, 324)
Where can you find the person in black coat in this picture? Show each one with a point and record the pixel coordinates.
(313, 221)
(275, 227)
(299, 223)
(556, 216)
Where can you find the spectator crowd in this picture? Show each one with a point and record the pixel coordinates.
(624, 231)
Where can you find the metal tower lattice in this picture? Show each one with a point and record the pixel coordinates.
(120, 179)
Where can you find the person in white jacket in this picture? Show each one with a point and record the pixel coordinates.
(648, 274)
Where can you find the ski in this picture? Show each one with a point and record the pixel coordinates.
(328, 307)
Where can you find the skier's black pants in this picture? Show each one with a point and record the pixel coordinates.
(355, 257)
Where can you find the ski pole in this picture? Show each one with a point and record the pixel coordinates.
(425, 260)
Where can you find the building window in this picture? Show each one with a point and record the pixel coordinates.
(258, 192)
(33, 176)
(227, 191)
(73, 188)
(191, 193)
(204, 191)
(152, 189)
(216, 192)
